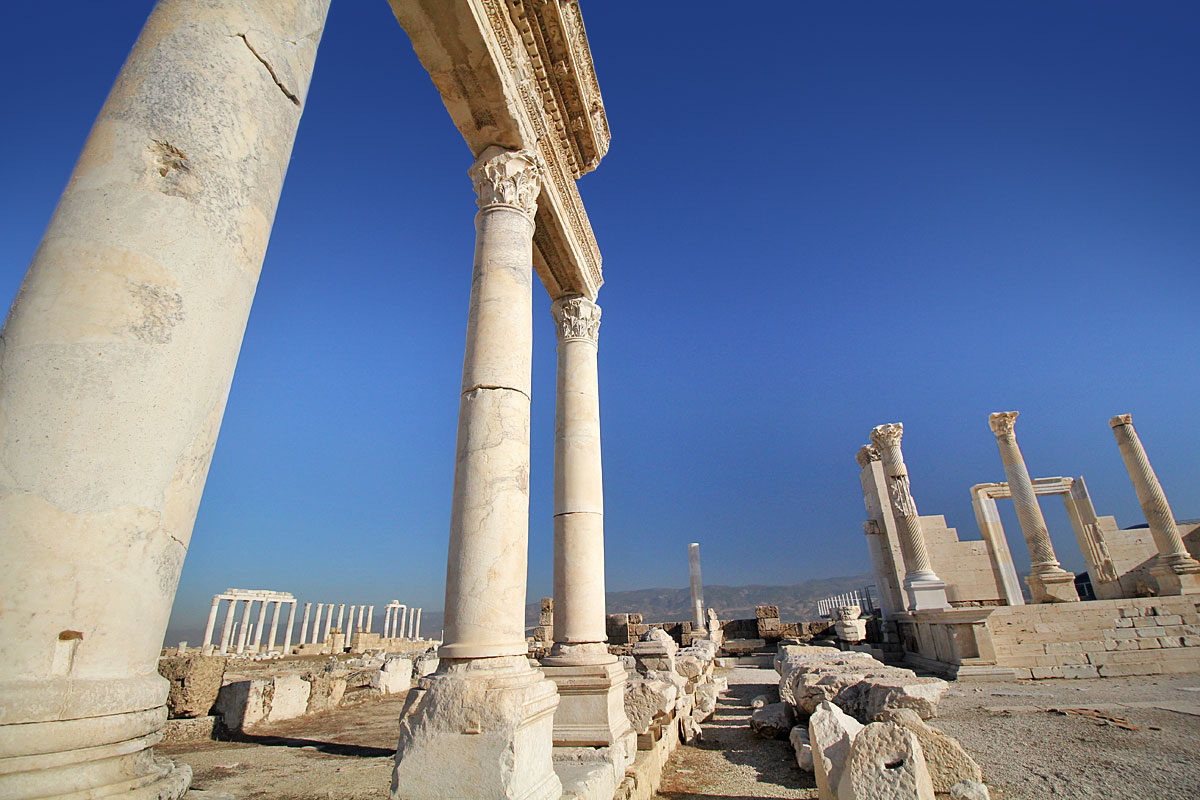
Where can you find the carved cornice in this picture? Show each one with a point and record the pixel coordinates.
(866, 454)
(577, 318)
(507, 178)
(888, 435)
(1121, 419)
(1003, 423)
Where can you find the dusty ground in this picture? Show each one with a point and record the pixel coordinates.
(732, 763)
(1027, 750)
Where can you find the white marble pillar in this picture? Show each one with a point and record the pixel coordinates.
(370, 618)
(274, 626)
(590, 680)
(244, 628)
(484, 649)
(699, 620)
(328, 622)
(1175, 571)
(349, 629)
(304, 624)
(1048, 582)
(387, 622)
(417, 627)
(923, 589)
(358, 625)
(118, 355)
(227, 628)
(210, 625)
(258, 628)
(287, 639)
(317, 638)
(400, 630)
(341, 618)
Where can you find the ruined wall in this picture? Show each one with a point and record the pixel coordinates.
(966, 567)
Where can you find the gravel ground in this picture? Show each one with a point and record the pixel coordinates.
(731, 763)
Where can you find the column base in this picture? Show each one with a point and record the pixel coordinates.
(1054, 585)
(1180, 575)
(591, 703)
(478, 728)
(925, 594)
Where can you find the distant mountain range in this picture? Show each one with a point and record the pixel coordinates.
(797, 601)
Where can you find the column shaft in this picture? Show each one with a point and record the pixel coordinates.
(370, 618)
(212, 623)
(274, 625)
(328, 622)
(227, 628)
(304, 624)
(287, 639)
(244, 629)
(317, 638)
(258, 629)
(699, 620)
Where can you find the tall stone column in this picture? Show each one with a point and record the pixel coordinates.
(258, 628)
(923, 589)
(1048, 582)
(370, 618)
(317, 638)
(210, 625)
(304, 624)
(274, 625)
(328, 622)
(287, 639)
(502, 746)
(387, 622)
(699, 618)
(227, 628)
(1176, 571)
(417, 625)
(244, 630)
(118, 355)
(403, 621)
(341, 617)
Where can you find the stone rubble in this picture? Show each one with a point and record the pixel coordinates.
(885, 761)
(773, 721)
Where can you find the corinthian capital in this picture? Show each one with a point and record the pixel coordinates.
(1121, 419)
(888, 435)
(507, 178)
(866, 454)
(1003, 422)
(577, 318)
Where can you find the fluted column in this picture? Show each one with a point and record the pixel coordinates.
(287, 639)
(210, 625)
(274, 625)
(118, 355)
(1176, 571)
(924, 590)
(1048, 582)
(484, 649)
(227, 628)
(304, 624)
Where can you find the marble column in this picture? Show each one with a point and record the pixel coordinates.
(244, 629)
(287, 639)
(590, 680)
(304, 624)
(417, 627)
(118, 355)
(699, 620)
(362, 610)
(403, 621)
(341, 618)
(258, 628)
(484, 653)
(210, 625)
(328, 622)
(317, 638)
(227, 629)
(1175, 570)
(923, 589)
(387, 622)
(370, 618)
(274, 626)
(349, 629)
(1048, 582)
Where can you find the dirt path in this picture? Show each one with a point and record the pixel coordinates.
(731, 763)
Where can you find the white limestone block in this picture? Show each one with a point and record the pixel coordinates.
(831, 733)
(288, 699)
(945, 758)
(773, 721)
(920, 694)
(802, 747)
(969, 790)
(885, 761)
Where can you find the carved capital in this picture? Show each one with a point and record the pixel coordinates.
(888, 435)
(1003, 422)
(1121, 419)
(577, 318)
(866, 454)
(508, 178)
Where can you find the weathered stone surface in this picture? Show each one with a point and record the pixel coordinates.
(689, 666)
(773, 721)
(325, 690)
(969, 790)
(885, 762)
(706, 700)
(241, 703)
(394, 676)
(189, 729)
(195, 683)
(802, 747)
(766, 612)
(831, 733)
(647, 698)
(689, 729)
(288, 698)
(946, 760)
(920, 694)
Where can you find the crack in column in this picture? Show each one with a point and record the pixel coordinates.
(287, 93)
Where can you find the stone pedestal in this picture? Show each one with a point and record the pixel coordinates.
(482, 724)
(118, 355)
(1048, 582)
(924, 590)
(1175, 571)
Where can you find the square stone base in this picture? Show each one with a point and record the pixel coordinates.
(1171, 582)
(478, 728)
(591, 704)
(1053, 587)
(926, 595)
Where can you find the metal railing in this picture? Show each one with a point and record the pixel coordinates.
(864, 598)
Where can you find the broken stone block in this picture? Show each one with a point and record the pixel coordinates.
(635, 619)
(647, 698)
(394, 677)
(920, 694)
(241, 703)
(831, 733)
(689, 666)
(288, 698)
(885, 761)
(759, 701)
(325, 690)
(803, 749)
(689, 729)
(969, 790)
(773, 721)
(195, 683)
(706, 701)
(766, 612)
(948, 763)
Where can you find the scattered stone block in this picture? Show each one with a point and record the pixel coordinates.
(803, 749)
(831, 733)
(773, 721)
(945, 759)
(969, 790)
(195, 684)
(766, 612)
(647, 698)
(287, 698)
(885, 761)
(920, 694)
(189, 729)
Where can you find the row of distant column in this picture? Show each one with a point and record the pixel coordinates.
(1176, 571)
(394, 623)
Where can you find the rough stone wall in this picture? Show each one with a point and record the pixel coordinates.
(966, 567)
(1102, 638)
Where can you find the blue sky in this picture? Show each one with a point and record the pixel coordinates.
(815, 217)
